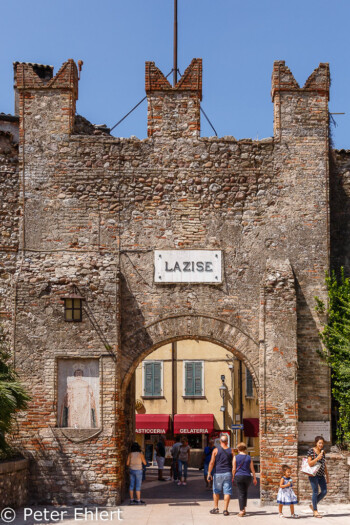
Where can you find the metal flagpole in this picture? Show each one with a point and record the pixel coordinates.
(175, 45)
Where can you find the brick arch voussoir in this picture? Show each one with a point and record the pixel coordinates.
(195, 326)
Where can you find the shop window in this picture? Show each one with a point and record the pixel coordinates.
(195, 440)
(193, 378)
(152, 378)
(249, 384)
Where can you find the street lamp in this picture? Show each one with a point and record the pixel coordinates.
(222, 390)
(231, 365)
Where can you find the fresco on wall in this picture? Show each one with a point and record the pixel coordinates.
(78, 393)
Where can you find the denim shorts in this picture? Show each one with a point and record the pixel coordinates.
(160, 462)
(135, 479)
(222, 483)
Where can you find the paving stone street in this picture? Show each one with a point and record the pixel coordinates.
(187, 505)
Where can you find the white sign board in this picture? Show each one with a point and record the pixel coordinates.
(308, 430)
(187, 266)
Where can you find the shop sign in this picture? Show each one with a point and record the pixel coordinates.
(150, 431)
(193, 431)
(187, 266)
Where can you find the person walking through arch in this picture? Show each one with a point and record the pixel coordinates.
(242, 471)
(221, 460)
(160, 457)
(135, 461)
(206, 460)
(183, 460)
(175, 451)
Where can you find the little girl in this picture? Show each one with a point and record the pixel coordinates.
(286, 495)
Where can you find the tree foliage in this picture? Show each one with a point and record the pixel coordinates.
(336, 340)
(13, 396)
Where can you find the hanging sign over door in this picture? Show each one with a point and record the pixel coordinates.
(187, 266)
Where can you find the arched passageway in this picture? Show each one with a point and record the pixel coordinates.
(195, 389)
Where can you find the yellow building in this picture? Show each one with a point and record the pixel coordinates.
(186, 388)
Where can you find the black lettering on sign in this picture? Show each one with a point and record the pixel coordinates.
(200, 266)
(177, 267)
(186, 266)
(208, 266)
(168, 269)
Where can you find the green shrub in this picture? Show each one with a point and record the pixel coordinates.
(13, 396)
(336, 340)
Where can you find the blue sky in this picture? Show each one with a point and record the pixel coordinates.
(238, 41)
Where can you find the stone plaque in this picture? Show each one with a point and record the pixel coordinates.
(308, 430)
(187, 266)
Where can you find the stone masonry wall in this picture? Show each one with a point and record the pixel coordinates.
(338, 466)
(96, 207)
(340, 209)
(14, 481)
(9, 222)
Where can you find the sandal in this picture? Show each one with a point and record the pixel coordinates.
(226, 513)
(241, 514)
(214, 511)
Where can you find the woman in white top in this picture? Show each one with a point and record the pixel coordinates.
(134, 462)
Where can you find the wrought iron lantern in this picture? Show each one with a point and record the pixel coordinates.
(73, 307)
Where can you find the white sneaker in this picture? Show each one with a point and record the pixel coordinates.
(296, 516)
(281, 516)
(184, 483)
(179, 483)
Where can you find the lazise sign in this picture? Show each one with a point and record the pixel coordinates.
(187, 266)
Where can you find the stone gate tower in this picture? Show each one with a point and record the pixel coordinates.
(84, 212)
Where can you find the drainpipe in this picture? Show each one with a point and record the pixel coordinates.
(173, 380)
(241, 397)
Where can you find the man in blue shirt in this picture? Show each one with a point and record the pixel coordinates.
(206, 460)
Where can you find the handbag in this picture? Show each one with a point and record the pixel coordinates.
(306, 469)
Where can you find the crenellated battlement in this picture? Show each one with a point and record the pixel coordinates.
(58, 95)
(174, 111)
(300, 111)
(39, 76)
(283, 80)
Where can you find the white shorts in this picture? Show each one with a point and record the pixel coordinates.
(160, 462)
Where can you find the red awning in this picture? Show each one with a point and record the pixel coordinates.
(251, 427)
(152, 423)
(193, 423)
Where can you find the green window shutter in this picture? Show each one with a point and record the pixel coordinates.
(157, 381)
(189, 379)
(148, 379)
(198, 378)
(249, 384)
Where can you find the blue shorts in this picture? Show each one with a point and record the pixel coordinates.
(206, 465)
(135, 479)
(222, 483)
